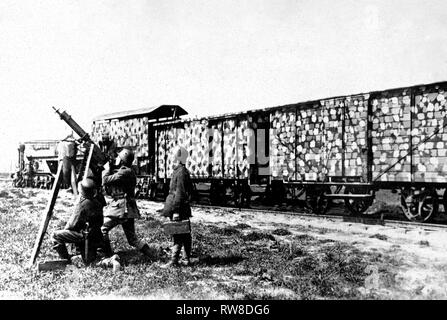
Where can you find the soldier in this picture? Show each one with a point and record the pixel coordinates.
(122, 210)
(18, 180)
(28, 174)
(86, 220)
(181, 189)
(108, 146)
(67, 151)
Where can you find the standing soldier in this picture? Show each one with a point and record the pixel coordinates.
(28, 174)
(181, 190)
(67, 150)
(108, 146)
(18, 180)
(122, 210)
(86, 220)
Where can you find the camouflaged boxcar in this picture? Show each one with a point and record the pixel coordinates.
(323, 151)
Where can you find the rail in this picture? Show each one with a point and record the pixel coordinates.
(343, 218)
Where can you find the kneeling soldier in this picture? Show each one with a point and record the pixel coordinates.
(84, 226)
(122, 210)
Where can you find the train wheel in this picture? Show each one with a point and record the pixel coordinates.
(295, 193)
(357, 206)
(419, 205)
(429, 206)
(324, 203)
(218, 193)
(195, 194)
(316, 201)
(236, 195)
(311, 200)
(246, 195)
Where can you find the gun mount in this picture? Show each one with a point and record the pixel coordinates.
(94, 159)
(98, 157)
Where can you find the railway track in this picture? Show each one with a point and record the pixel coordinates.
(344, 218)
(365, 219)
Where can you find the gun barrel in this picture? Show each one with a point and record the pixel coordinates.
(98, 157)
(72, 124)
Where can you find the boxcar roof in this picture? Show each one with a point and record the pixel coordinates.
(166, 111)
(375, 93)
(163, 111)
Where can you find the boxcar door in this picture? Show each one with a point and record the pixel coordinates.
(260, 148)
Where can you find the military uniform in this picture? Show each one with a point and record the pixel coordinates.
(86, 211)
(109, 148)
(181, 189)
(122, 210)
(67, 151)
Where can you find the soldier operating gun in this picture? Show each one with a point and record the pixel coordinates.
(98, 158)
(91, 167)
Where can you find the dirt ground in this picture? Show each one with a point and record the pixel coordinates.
(237, 255)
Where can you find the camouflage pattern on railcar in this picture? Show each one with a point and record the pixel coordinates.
(429, 113)
(402, 120)
(216, 149)
(391, 134)
(193, 135)
(132, 133)
(310, 141)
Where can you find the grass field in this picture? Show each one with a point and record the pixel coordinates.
(235, 257)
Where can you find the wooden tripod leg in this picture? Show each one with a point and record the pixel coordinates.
(74, 187)
(89, 160)
(47, 215)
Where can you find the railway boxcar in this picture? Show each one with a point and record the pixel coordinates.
(134, 130)
(342, 148)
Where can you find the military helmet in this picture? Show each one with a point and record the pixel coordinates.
(181, 154)
(88, 183)
(87, 187)
(126, 156)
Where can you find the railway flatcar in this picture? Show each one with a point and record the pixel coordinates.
(37, 161)
(329, 150)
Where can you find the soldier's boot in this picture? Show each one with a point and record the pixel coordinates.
(186, 261)
(90, 256)
(149, 252)
(107, 247)
(62, 251)
(78, 249)
(174, 258)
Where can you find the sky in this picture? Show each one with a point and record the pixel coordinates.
(208, 56)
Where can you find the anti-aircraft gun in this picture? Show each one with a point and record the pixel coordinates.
(91, 166)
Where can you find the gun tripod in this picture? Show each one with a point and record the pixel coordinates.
(48, 213)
